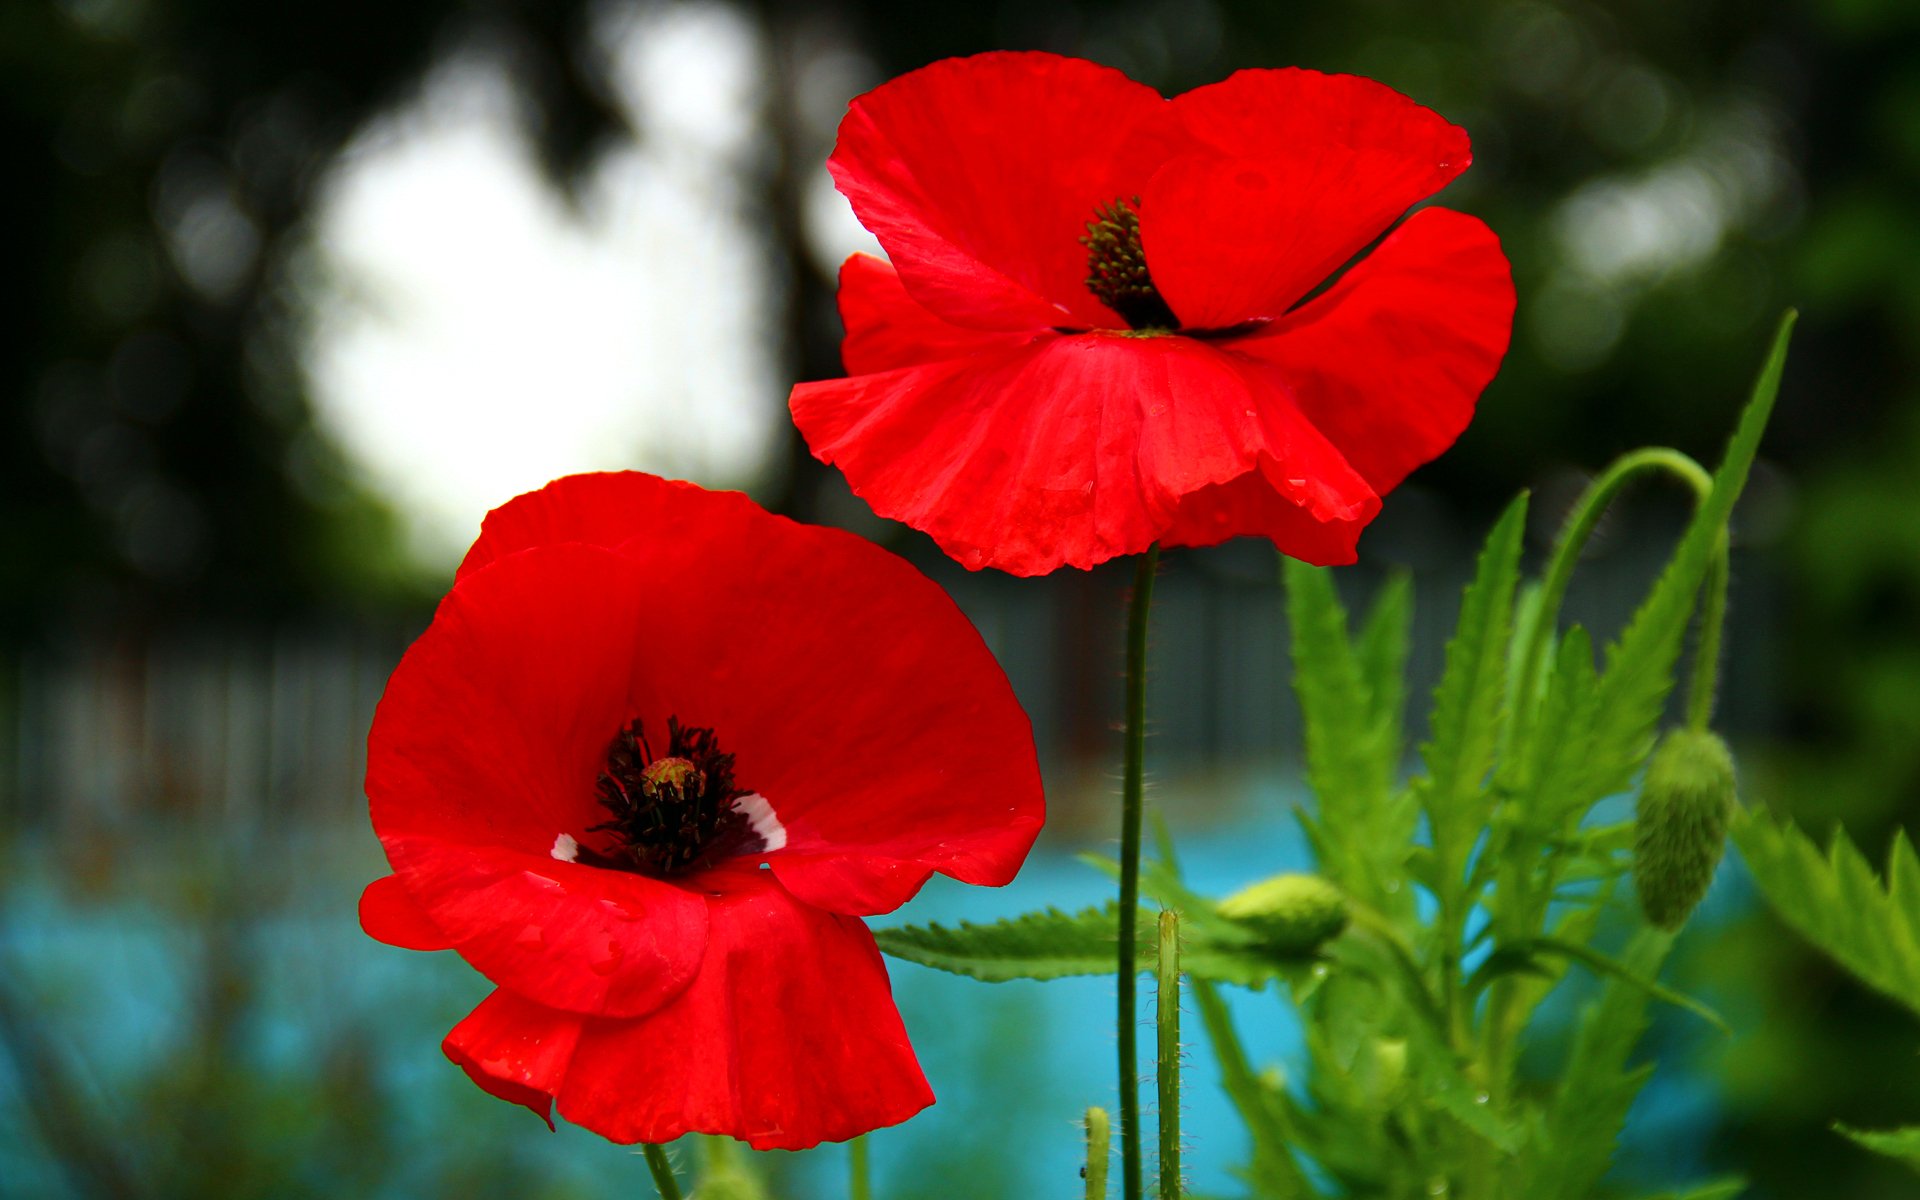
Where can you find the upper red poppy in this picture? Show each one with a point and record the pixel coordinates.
(1091, 335)
(654, 758)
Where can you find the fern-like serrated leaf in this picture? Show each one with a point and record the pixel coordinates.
(1361, 831)
(1381, 649)
(1639, 673)
(1041, 945)
(1557, 782)
(1467, 703)
(1835, 901)
(1055, 944)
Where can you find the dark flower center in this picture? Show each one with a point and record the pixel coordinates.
(1117, 267)
(674, 813)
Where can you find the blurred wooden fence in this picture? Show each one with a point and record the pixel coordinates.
(257, 730)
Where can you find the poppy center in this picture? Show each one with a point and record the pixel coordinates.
(1117, 267)
(679, 811)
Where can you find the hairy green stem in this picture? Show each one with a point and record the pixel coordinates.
(663, 1177)
(1167, 1023)
(860, 1183)
(1098, 1150)
(1132, 803)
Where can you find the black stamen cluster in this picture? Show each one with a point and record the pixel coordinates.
(1117, 267)
(673, 813)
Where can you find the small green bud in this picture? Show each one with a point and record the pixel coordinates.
(1293, 914)
(1680, 829)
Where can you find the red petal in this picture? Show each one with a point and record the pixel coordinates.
(1295, 173)
(887, 328)
(788, 1037)
(1069, 450)
(862, 704)
(495, 725)
(485, 749)
(1250, 505)
(389, 915)
(862, 884)
(584, 939)
(1390, 361)
(823, 696)
(979, 176)
(516, 1050)
(601, 509)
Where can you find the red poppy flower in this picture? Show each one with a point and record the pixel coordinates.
(657, 754)
(1092, 335)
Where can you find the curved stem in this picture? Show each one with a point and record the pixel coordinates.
(663, 1177)
(1132, 791)
(1574, 534)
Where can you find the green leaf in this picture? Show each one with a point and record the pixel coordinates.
(1360, 831)
(1582, 1119)
(1836, 902)
(1640, 664)
(1382, 648)
(1903, 1144)
(1468, 701)
(1274, 1172)
(1524, 955)
(1054, 945)
(1719, 1189)
(1042, 945)
(1557, 782)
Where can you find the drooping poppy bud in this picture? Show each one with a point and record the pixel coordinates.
(1293, 914)
(1680, 829)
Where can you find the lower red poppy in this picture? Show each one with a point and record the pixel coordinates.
(657, 754)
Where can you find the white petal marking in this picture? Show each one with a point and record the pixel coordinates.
(759, 814)
(565, 848)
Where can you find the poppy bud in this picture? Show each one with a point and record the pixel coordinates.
(1293, 914)
(1680, 829)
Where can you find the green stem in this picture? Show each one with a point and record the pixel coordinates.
(1132, 791)
(1579, 527)
(1098, 1150)
(1167, 1022)
(663, 1177)
(860, 1186)
(1704, 682)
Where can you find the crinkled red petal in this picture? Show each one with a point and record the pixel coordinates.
(584, 939)
(1252, 506)
(389, 915)
(979, 176)
(1290, 174)
(516, 1050)
(1070, 450)
(1390, 361)
(887, 328)
(787, 1038)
